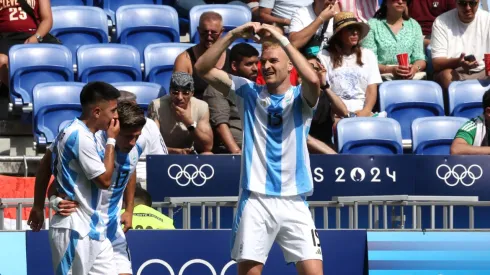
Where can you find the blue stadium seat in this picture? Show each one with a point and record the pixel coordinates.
(77, 26)
(54, 104)
(31, 64)
(434, 135)
(145, 92)
(233, 16)
(406, 100)
(111, 6)
(465, 97)
(142, 25)
(159, 61)
(369, 135)
(108, 62)
(57, 3)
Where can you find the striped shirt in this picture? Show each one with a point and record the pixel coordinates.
(275, 159)
(363, 9)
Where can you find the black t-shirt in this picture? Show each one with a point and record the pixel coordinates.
(322, 123)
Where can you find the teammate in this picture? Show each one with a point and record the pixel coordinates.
(78, 241)
(275, 172)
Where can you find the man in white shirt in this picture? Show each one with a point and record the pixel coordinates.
(280, 11)
(460, 38)
(313, 24)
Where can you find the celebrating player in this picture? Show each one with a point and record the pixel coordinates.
(275, 170)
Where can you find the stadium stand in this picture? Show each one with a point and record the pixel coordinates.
(31, 64)
(465, 97)
(77, 26)
(233, 16)
(142, 25)
(368, 135)
(53, 104)
(111, 6)
(56, 3)
(434, 135)
(145, 92)
(406, 100)
(119, 63)
(159, 61)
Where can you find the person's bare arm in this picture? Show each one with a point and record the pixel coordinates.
(461, 147)
(300, 38)
(224, 133)
(266, 16)
(370, 101)
(443, 63)
(127, 216)
(43, 175)
(46, 18)
(316, 146)
(338, 106)
(104, 181)
(183, 63)
(203, 135)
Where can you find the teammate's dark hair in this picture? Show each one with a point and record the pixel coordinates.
(141, 196)
(241, 50)
(486, 99)
(94, 92)
(130, 115)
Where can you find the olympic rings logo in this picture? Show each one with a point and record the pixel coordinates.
(185, 266)
(190, 173)
(474, 172)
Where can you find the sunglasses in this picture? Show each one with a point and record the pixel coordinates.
(185, 92)
(466, 3)
(212, 33)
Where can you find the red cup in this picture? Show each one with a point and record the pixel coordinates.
(403, 59)
(486, 59)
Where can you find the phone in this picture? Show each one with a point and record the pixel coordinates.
(469, 58)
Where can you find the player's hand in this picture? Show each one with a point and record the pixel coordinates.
(183, 115)
(269, 33)
(114, 129)
(247, 31)
(328, 13)
(127, 221)
(67, 207)
(36, 219)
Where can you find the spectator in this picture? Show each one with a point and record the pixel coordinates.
(183, 7)
(363, 9)
(17, 27)
(210, 29)
(312, 26)
(473, 137)
(280, 12)
(425, 12)
(320, 137)
(460, 38)
(351, 70)
(393, 32)
(144, 216)
(224, 117)
(183, 120)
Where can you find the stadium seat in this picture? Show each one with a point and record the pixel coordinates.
(145, 92)
(434, 135)
(111, 6)
(369, 135)
(233, 16)
(31, 64)
(159, 61)
(77, 26)
(406, 100)
(142, 25)
(54, 104)
(57, 3)
(465, 97)
(108, 62)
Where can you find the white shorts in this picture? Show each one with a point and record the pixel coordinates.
(122, 257)
(80, 256)
(260, 220)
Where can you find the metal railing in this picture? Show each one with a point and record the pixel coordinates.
(211, 207)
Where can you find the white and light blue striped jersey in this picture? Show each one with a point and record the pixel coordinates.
(112, 198)
(76, 161)
(155, 145)
(275, 159)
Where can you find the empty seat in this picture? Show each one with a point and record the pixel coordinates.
(56, 3)
(108, 62)
(142, 25)
(465, 97)
(31, 64)
(369, 135)
(77, 26)
(159, 61)
(111, 6)
(54, 104)
(145, 92)
(406, 100)
(233, 16)
(434, 135)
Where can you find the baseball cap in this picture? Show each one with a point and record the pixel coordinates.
(182, 81)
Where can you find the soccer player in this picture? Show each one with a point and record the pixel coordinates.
(275, 170)
(78, 241)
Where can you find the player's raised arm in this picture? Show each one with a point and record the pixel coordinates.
(310, 82)
(205, 65)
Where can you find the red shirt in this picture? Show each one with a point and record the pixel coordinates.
(293, 77)
(14, 19)
(426, 11)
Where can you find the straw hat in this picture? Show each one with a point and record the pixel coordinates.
(344, 19)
